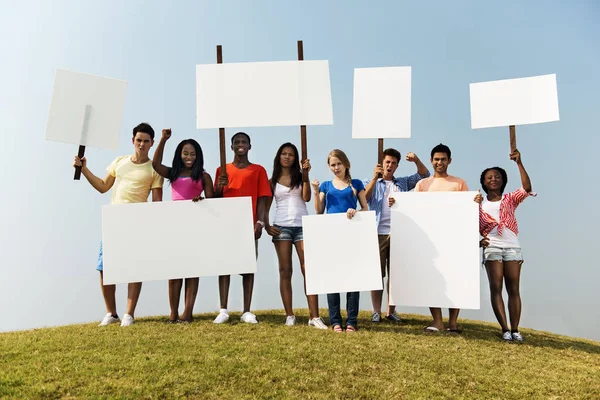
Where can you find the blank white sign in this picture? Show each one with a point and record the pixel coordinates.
(382, 102)
(434, 250)
(341, 254)
(514, 102)
(177, 239)
(105, 100)
(281, 93)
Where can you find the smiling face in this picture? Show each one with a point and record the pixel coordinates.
(142, 143)
(240, 145)
(188, 156)
(440, 162)
(493, 180)
(390, 165)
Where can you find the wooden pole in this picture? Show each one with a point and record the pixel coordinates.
(80, 154)
(303, 143)
(513, 138)
(221, 130)
(380, 152)
(84, 131)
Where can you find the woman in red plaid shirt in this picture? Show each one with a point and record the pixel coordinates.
(502, 251)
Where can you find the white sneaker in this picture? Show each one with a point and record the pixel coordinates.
(109, 319)
(317, 323)
(290, 320)
(507, 336)
(517, 336)
(127, 320)
(249, 318)
(222, 317)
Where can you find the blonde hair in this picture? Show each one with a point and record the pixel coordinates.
(340, 155)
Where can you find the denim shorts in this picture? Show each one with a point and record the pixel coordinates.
(289, 233)
(498, 254)
(99, 264)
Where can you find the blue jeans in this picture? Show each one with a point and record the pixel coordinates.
(335, 316)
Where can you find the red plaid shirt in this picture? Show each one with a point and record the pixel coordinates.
(508, 205)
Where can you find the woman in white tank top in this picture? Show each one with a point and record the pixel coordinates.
(291, 194)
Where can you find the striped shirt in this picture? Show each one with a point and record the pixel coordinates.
(403, 184)
(508, 206)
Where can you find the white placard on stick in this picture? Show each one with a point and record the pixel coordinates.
(279, 93)
(434, 250)
(86, 110)
(382, 102)
(514, 102)
(177, 239)
(341, 254)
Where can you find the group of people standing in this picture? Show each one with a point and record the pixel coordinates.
(132, 178)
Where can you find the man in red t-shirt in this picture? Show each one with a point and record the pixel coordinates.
(242, 179)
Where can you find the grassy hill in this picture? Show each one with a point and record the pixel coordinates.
(152, 359)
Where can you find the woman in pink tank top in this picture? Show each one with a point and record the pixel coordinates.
(188, 180)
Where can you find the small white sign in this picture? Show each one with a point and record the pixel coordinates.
(341, 254)
(514, 102)
(281, 93)
(434, 250)
(382, 103)
(86, 110)
(177, 239)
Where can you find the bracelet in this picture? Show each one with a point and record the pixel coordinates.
(261, 223)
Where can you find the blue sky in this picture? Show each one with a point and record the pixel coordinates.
(50, 225)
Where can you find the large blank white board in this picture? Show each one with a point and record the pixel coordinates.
(72, 93)
(434, 250)
(177, 239)
(341, 254)
(514, 102)
(382, 102)
(279, 93)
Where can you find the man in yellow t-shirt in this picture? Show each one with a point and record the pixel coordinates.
(441, 182)
(131, 178)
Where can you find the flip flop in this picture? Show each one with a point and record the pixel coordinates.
(431, 329)
(457, 331)
(337, 328)
(350, 329)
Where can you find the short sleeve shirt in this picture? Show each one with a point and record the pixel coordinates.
(339, 201)
(446, 184)
(133, 182)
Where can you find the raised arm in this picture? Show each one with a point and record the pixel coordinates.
(101, 185)
(161, 169)
(421, 168)
(306, 185)
(371, 186)
(319, 197)
(525, 181)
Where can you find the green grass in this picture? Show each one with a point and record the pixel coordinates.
(156, 360)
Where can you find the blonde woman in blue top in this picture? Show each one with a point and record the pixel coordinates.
(340, 195)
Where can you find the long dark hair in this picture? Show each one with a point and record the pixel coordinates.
(295, 171)
(177, 166)
(502, 173)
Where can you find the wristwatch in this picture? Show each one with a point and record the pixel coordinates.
(261, 223)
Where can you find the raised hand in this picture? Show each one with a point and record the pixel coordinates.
(377, 171)
(166, 134)
(516, 156)
(306, 165)
(411, 157)
(79, 162)
(316, 184)
(222, 181)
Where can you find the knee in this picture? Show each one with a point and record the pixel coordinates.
(285, 272)
(513, 290)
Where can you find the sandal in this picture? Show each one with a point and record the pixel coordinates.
(350, 329)
(337, 328)
(431, 329)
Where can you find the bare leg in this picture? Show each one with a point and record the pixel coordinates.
(284, 255)
(248, 284)
(512, 275)
(453, 317)
(191, 290)
(108, 293)
(495, 272)
(174, 295)
(133, 294)
(376, 299)
(224, 281)
(391, 308)
(313, 299)
(437, 322)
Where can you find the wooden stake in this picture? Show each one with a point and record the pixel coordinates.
(513, 138)
(80, 154)
(84, 129)
(221, 130)
(380, 152)
(303, 143)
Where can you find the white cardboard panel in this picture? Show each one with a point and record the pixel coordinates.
(514, 102)
(73, 92)
(177, 239)
(382, 103)
(281, 93)
(434, 250)
(341, 254)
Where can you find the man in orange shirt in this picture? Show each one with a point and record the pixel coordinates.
(242, 179)
(441, 182)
